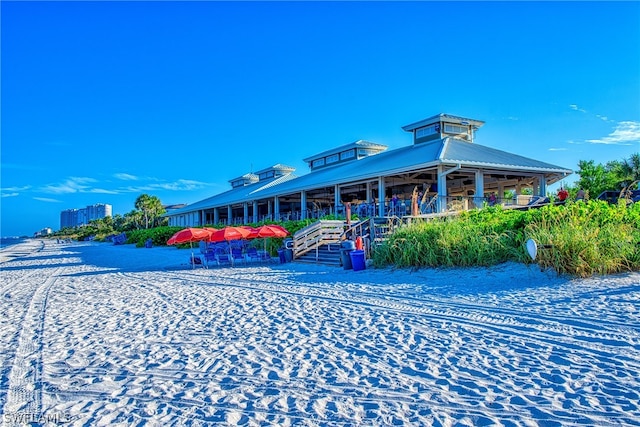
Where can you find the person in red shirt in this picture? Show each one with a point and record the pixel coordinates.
(562, 194)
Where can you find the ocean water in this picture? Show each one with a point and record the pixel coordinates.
(9, 241)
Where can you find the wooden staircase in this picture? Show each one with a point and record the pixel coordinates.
(380, 228)
(321, 242)
(328, 254)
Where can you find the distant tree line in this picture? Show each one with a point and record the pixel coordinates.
(148, 213)
(614, 175)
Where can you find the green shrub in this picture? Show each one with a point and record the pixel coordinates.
(158, 235)
(583, 239)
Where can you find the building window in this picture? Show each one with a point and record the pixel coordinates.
(455, 129)
(319, 162)
(333, 158)
(426, 131)
(268, 174)
(347, 154)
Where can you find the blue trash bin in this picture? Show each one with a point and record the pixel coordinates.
(282, 256)
(345, 258)
(357, 260)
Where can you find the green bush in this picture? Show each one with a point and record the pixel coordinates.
(582, 238)
(158, 235)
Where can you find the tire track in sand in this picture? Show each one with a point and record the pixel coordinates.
(24, 395)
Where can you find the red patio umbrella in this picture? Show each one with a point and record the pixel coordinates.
(271, 231)
(254, 231)
(230, 233)
(189, 235)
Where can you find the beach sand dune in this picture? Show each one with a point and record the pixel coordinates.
(96, 334)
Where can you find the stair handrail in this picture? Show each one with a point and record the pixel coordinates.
(315, 235)
(357, 228)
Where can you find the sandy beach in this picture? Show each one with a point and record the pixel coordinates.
(96, 334)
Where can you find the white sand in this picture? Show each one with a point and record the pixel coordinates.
(95, 334)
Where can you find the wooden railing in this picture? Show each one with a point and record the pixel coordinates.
(315, 235)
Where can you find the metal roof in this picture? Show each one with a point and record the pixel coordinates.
(278, 167)
(449, 151)
(235, 195)
(442, 117)
(357, 144)
(462, 152)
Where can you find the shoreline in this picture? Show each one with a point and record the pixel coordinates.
(106, 334)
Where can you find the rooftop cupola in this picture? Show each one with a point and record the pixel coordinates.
(345, 153)
(274, 171)
(443, 126)
(246, 179)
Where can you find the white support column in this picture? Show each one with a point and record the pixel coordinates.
(245, 213)
(381, 191)
(229, 215)
(255, 211)
(542, 186)
(479, 196)
(368, 192)
(500, 194)
(276, 208)
(442, 189)
(269, 210)
(216, 215)
(303, 204)
(336, 198)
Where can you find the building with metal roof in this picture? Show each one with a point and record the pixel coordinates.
(443, 164)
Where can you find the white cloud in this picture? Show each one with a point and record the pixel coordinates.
(70, 185)
(103, 191)
(125, 177)
(23, 188)
(558, 149)
(179, 185)
(625, 133)
(10, 194)
(576, 108)
(48, 200)
(86, 185)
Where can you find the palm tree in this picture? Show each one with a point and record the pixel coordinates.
(630, 169)
(151, 209)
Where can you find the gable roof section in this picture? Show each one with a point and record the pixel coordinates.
(400, 160)
(390, 162)
(235, 195)
(357, 144)
(442, 117)
(466, 153)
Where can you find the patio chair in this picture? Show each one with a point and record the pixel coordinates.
(264, 256)
(209, 257)
(237, 255)
(195, 261)
(223, 258)
(252, 254)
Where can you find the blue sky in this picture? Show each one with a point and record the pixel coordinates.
(104, 101)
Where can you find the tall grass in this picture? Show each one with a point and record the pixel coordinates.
(587, 239)
(583, 239)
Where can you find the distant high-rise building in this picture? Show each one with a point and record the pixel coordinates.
(76, 217)
(97, 212)
(69, 218)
